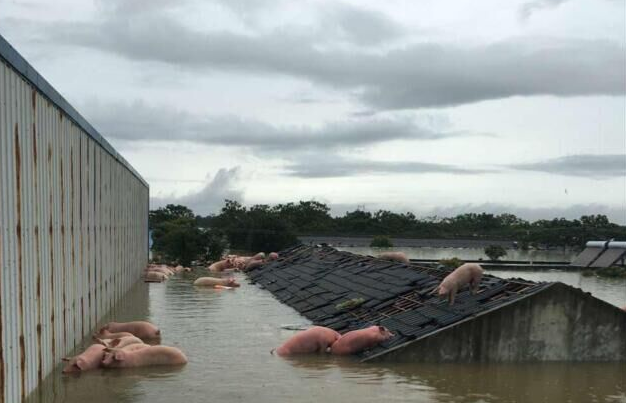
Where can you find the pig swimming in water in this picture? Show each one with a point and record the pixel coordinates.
(466, 274)
(143, 357)
(119, 342)
(359, 340)
(141, 329)
(211, 281)
(314, 340)
(88, 359)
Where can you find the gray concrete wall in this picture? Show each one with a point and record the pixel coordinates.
(560, 323)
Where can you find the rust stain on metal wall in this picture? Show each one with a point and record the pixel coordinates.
(63, 257)
(80, 219)
(80, 248)
(37, 245)
(20, 279)
(88, 241)
(50, 234)
(2, 381)
(73, 239)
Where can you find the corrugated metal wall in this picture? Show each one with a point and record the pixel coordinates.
(73, 229)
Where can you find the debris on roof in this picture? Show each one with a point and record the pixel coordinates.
(345, 291)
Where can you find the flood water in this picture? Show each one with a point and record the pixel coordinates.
(228, 334)
(556, 255)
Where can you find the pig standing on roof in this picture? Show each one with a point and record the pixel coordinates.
(394, 256)
(466, 274)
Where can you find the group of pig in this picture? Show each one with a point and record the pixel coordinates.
(319, 339)
(122, 345)
(157, 273)
(324, 340)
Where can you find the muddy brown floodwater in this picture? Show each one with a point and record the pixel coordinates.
(228, 335)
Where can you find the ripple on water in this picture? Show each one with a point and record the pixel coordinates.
(227, 336)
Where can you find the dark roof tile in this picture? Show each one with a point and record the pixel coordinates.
(315, 280)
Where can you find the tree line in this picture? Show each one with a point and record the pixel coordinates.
(178, 232)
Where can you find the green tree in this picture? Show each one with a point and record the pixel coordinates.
(168, 213)
(495, 252)
(259, 228)
(381, 241)
(178, 240)
(177, 236)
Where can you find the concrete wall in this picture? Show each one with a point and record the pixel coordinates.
(560, 323)
(73, 227)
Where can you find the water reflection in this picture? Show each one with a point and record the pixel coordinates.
(228, 334)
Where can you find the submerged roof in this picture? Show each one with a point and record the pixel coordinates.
(345, 291)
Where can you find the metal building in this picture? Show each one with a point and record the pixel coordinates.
(73, 226)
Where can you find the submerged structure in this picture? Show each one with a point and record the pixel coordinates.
(601, 254)
(508, 320)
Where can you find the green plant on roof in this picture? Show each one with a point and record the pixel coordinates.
(451, 263)
(349, 304)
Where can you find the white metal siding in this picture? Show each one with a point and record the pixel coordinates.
(73, 233)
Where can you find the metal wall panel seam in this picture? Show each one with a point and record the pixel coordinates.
(3, 293)
(26, 71)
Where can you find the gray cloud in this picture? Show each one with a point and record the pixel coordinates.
(139, 121)
(210, 198)
(417, 75)
(360, 26)
(329, 166)
(528, 8)
(585, 165)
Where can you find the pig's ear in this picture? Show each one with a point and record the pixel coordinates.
(381, 329)
(99, 341)
(115, 342)
(80, 364)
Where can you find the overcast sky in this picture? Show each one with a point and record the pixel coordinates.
(437, 107)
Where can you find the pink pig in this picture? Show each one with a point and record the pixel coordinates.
(314, 340)
(154, 277)
(88, 359)
(394, 256)
(210, 281)
(162, 269)
(468, 273)
(359, 340)
(105, 334)
(144, 356)
(119, 342)
(141, 329)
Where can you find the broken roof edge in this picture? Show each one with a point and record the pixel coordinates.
(543, 287)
